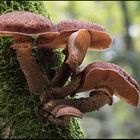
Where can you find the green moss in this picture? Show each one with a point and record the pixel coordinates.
(19, 117)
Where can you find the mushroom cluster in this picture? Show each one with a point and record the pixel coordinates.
(74, 37)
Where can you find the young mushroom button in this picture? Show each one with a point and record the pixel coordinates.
(21, 25)
(111, 79)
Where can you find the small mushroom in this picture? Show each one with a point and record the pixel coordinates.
(111, 79)
(60, 111)
(21, 25)
(66, 110)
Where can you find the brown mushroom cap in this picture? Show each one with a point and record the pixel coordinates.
(65, 110)
(24, 23)
(73, 25)
(110, 76)
(100, 39)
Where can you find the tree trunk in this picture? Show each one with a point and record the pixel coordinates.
(19, 117)
(132, 55)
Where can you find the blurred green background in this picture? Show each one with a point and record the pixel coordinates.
(122, 21)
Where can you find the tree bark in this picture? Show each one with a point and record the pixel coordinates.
(19, 115)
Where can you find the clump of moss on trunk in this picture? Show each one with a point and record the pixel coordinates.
(19, 117)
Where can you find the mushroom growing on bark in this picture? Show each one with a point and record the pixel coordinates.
(105, 77)
(59, 111)
(102, 79)
(112, 79)
(21, 25)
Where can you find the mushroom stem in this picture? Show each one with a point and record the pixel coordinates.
(61, 76)
(69, 89)
(35, 78)
(92, 103)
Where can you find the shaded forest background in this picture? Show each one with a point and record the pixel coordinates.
(122, 21)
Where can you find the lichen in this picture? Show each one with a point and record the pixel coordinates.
(19, 116)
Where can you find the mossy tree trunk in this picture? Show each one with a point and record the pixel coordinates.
(19, 117)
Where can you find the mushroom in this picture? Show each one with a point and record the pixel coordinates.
(21, 26)
(103, 80)
(61, 114)
(60, 111)
(102, 77)
(76, 37)
(110, 78)
(100, 39)
(63, 110)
